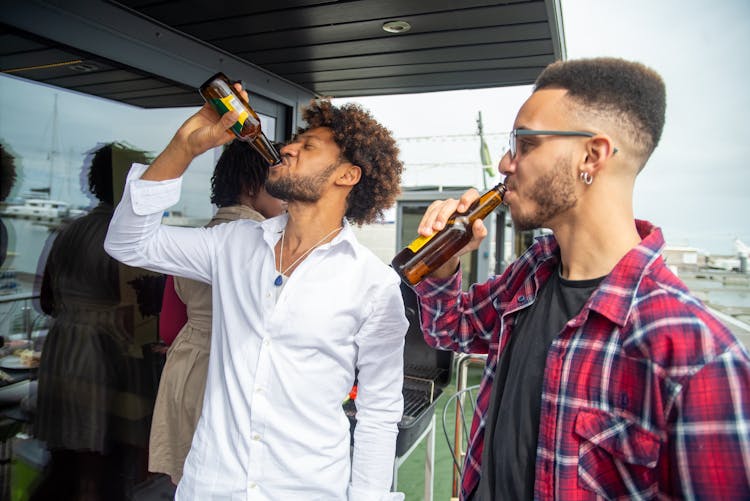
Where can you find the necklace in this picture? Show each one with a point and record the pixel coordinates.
(280, 278)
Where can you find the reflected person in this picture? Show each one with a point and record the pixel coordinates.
(7, 179)
(89, 372)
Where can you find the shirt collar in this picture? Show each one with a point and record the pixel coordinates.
(616, 294)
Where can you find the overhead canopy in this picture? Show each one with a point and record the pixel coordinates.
(151, 53)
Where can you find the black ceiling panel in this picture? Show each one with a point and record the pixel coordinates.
(33, 57)
(335, 48)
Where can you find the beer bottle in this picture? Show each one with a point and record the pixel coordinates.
(426, 254)
(219, 92)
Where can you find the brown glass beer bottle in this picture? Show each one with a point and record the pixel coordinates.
(425, 254)
(219, 92)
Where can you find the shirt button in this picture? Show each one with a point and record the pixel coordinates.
(521, 299)
(266, 342)
(256, 437)
(258, 390)
(253, 485)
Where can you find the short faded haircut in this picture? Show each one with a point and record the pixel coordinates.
(625, 92)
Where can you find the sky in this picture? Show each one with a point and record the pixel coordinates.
(695, 186)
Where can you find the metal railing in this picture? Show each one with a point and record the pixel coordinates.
(462, 402)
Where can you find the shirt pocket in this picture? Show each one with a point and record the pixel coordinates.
(616, 456)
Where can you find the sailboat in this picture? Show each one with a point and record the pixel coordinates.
(40, 209)
(38, 205)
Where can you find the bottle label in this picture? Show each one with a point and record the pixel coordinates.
(229, 103)
(419, 242)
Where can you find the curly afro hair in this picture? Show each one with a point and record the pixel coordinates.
(7, 173)
(240, 169)
(366, 143)
(629, 92)
(103, 161)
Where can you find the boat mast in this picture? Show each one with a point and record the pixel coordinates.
(54, 147)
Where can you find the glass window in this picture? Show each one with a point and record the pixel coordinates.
(80, 344)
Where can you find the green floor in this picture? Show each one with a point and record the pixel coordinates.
(412, 471)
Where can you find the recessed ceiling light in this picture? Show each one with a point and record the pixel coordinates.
(84, 67)
(396, 26)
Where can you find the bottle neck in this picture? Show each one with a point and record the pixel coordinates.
(488, 202)
(499, 188)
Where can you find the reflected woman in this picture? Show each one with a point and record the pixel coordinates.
(88, 404)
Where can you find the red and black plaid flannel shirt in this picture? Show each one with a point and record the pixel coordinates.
(646, 394)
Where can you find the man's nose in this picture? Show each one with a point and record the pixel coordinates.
(505, 164)
(288, 149)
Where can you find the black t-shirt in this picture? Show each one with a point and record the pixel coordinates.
(509, 456)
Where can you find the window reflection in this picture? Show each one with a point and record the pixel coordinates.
(79, 366)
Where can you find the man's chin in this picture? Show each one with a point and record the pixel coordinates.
(521, 224)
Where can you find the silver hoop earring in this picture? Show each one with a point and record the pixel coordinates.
(586, 177)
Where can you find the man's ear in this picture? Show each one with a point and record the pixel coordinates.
(350, 175)
(598, 150)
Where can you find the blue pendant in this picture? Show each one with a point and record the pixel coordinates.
(279, 280)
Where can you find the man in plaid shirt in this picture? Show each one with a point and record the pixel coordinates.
(605, 378)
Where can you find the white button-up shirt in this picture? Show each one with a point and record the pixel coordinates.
(272, 425)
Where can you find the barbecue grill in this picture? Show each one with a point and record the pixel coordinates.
(426, 373)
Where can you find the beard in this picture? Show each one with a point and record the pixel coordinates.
(552, 193)
(305, 189)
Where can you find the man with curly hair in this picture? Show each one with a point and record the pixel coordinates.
(299, 309)
(605, 378)
(238, 191)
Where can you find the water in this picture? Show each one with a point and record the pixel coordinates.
(714, 291)
(732, 298)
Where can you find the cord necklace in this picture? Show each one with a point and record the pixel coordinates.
(280, 278)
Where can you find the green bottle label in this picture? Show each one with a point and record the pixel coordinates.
(229, 103)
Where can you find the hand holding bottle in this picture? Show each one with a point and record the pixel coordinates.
(448, 229)
(439, 211)
(202, 131)
(206, 129)
(437, 215)
(223, 96)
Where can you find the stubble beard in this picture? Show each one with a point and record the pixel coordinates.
(552, 193)
(305, 189)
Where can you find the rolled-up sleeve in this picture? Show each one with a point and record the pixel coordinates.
(136, 236)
